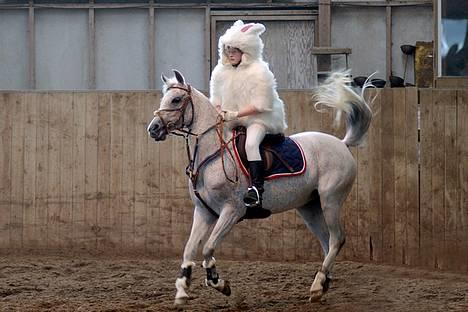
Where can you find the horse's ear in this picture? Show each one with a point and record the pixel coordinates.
(164, 78)
(179, 76)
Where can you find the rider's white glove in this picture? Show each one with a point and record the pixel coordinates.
(229, 115)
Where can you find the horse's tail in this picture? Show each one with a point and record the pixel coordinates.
(337, 93)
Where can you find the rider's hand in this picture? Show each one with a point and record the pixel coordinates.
(229, 115)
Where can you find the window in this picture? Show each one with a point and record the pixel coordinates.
(453, 38)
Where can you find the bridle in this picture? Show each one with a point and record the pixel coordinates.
(187, 99)
(186, 132)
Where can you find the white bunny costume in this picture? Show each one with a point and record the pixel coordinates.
(250, 83)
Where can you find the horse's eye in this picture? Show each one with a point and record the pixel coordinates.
(176, 99)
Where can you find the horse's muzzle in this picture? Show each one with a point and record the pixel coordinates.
(156, 130)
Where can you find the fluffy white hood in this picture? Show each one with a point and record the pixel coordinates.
(245, 37)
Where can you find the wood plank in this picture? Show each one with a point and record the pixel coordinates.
(91, 229)
(141, 172)
(42, 168)
(375, 177)
(6, 107)
(400, 130)
(412, 187)
(104, 225)
(78, 169)
(127, 208)
(388, 177)
(363, 198)
(53, 179)
(118, 103)
(29, 188)
(349, 220)
(425, 204)
(66, 171)
(17, 170)
(438, 176)
(153, 243)
(462, 218)
(451, 179)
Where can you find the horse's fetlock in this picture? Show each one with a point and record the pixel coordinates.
(209, 264)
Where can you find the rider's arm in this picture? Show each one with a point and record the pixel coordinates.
(247, 111)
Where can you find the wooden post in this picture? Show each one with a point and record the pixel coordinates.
(91, 47)
(389, 43)
(324, 34)
(207, 50)
(32, 47)
(151, 39)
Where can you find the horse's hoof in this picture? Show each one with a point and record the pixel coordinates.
(326, 285)
(227, 289)
(316, 296)
(180, 301)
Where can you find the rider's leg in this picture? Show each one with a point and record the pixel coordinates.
(255, 135)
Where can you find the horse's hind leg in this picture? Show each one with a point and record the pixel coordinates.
(312, 215)
(202, 222)
(331, 202)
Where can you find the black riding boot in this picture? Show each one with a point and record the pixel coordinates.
(253, 197)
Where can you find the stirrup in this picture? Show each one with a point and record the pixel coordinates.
(257, 202)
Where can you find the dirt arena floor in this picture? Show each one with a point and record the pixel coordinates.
(45, 283)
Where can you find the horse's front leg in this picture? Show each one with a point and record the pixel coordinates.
(202, 221)
(226, 222)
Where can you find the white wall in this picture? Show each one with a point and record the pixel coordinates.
(61, 49)
(363, 29)
(122, 49)
(180, 44)
(13, 49)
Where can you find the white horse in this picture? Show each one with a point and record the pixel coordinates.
(318, 194)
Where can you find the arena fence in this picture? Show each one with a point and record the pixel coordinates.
(79, 172)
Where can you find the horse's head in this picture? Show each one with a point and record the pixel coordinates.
(172, 113)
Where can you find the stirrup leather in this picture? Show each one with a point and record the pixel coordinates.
(257, 200)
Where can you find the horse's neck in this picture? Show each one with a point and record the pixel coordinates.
(204, 118)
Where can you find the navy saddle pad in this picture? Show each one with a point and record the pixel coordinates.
(281, 155)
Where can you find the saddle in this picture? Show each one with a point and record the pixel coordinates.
(281, 155)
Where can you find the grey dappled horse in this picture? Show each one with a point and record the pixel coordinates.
(318, 194)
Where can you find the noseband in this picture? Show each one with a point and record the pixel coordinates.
(170, 126)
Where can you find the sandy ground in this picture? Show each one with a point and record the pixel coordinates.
(45, 283)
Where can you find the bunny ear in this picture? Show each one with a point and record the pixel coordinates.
(253, 28)
(238, 23)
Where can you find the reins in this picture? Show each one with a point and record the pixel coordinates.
(190, 170)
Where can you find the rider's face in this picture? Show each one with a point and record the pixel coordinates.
(234, 55)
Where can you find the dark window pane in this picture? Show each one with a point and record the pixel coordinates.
(454, 37)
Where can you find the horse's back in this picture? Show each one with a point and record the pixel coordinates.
(326, 152)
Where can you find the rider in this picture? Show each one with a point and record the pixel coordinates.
(243, 89)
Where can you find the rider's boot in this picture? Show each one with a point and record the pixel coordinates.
(253, 196)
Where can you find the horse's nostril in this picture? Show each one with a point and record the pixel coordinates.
(154, 127)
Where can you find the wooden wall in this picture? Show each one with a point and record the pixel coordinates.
(78, 172)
